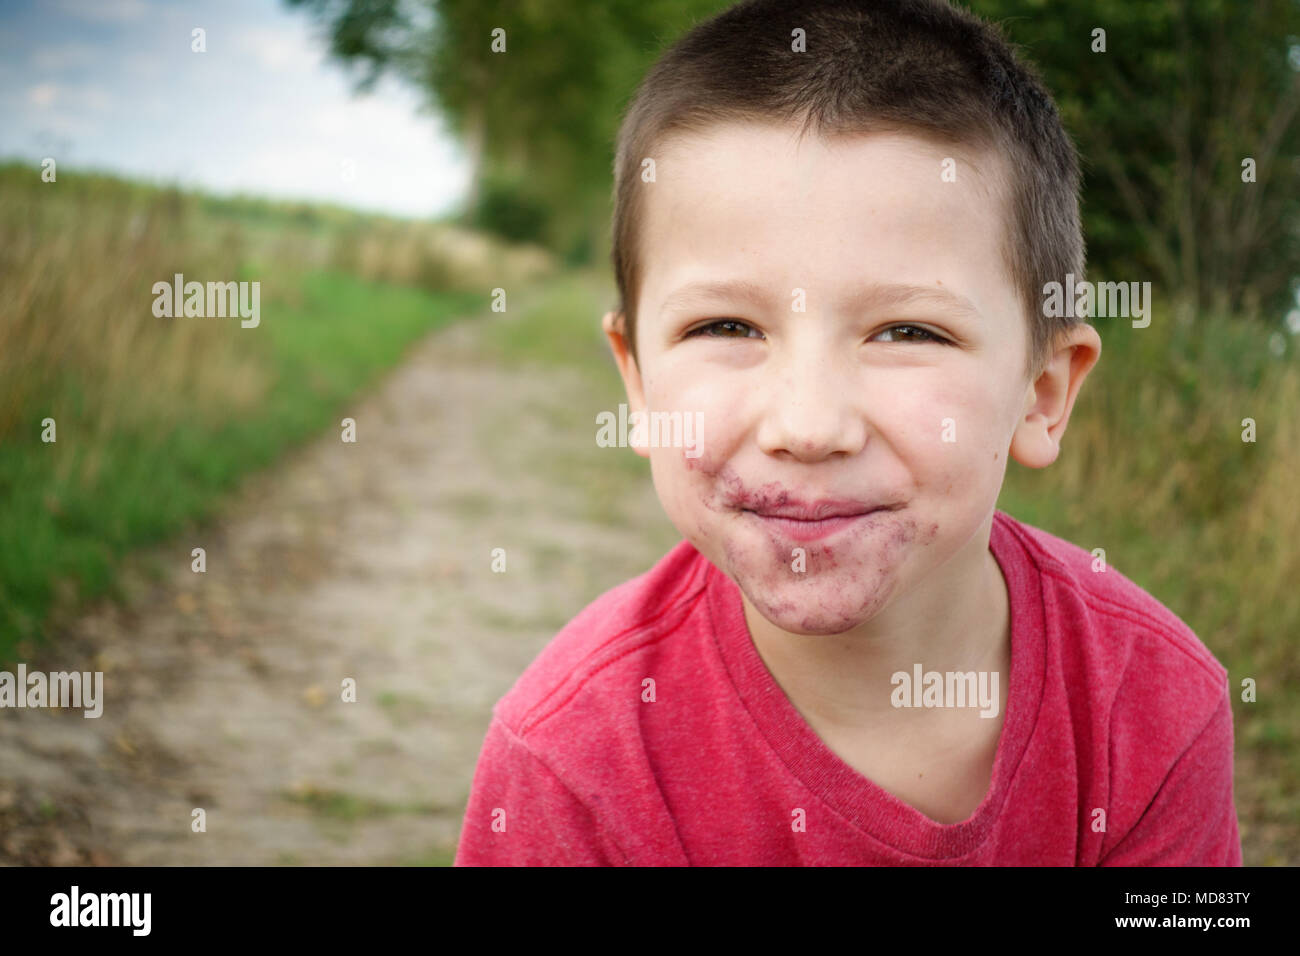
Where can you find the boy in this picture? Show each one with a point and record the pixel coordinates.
(834, 226)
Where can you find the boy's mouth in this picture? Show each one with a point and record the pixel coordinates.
(812, 521)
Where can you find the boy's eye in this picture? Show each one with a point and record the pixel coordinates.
(724, 329)
(735, 329)
(911, 333)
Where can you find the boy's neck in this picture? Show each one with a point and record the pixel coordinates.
(959, 622)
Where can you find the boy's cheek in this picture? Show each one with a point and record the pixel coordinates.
(681, 498)
(683, 478)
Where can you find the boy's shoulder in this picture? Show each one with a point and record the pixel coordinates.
(1124, 640)
(595, 665)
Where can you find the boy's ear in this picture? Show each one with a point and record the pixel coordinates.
(615, 326)
(1050, 398)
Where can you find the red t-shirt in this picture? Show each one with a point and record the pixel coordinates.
(1114, 704)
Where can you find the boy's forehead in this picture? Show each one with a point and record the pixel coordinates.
(751, 201)
(766, 160)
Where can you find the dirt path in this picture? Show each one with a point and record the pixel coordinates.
(370, 561)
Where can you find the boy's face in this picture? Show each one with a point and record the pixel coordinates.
(840, 463)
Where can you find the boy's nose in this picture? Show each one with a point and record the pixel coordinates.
(809, 412)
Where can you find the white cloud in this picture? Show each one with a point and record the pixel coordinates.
(351, 116)
(59, 58)
(43, 94)
(68, 130)
(70, 97)
(141, 66)
(280, 51)
(94, 98)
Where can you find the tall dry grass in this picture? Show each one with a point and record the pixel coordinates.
(78, 338)
(433, 256)
(1153, 468)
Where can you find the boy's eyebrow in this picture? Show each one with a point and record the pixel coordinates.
(879, 296)
(739, 290)
(869, 298)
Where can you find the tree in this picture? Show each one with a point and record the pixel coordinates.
(1185, 91)
(541, 117)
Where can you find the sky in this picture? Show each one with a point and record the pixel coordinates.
(114, 85)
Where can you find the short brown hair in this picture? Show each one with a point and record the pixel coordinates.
(922, 66)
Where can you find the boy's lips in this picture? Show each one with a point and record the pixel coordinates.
(812, 521)
(812, 511)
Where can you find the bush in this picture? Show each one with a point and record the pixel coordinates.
(505, 208)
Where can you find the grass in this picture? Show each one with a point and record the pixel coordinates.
(560, 330)
(75, 506)
(343, 807)
(435, 856)
(1154, 469)
(155, 418)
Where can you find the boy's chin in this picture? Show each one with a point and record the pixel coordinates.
(816, 609)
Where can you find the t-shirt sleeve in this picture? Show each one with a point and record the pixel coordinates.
(521, 814)
(1192, 821)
